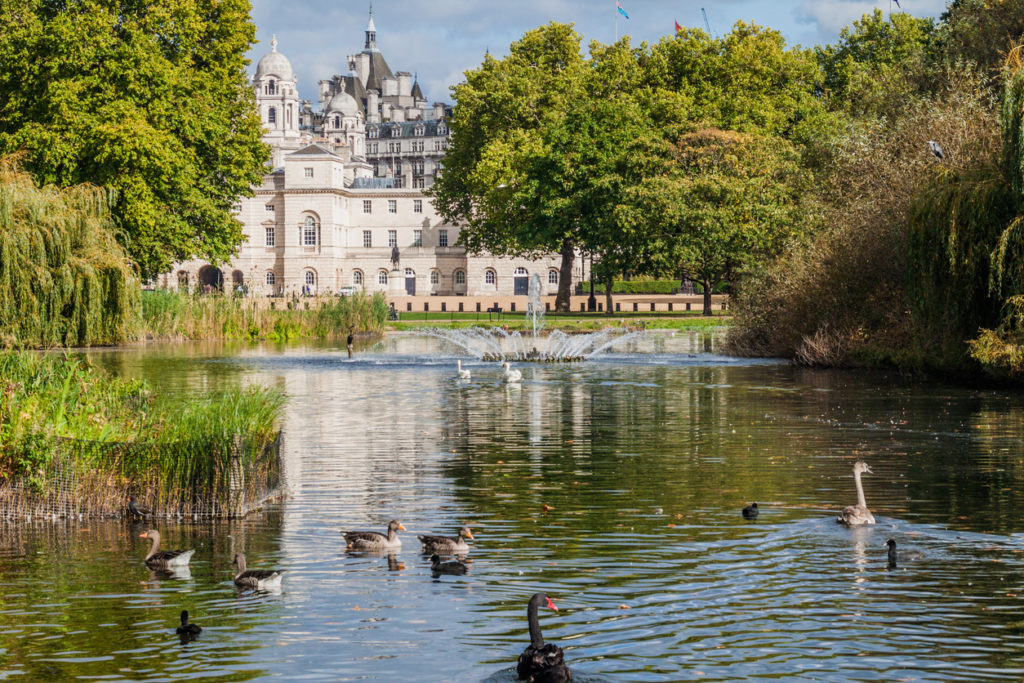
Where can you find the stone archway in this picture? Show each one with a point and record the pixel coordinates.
(210, 277)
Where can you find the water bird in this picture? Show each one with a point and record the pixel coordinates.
(437, 567)
(164, 559)
(137, 511)
(541, 662)
(260, 579)
(463, 374)
(371, 540)
(188, 631)
(511, 375)
(936, 149)
(751, 511)
(446, 545)
(892, 553)
(856, 515)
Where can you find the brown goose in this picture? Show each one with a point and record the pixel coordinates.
(260, 579)
(371, 540)
(164, 559)
(541, 662)
(446, 545)
(857, 515)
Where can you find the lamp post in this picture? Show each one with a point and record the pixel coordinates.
(592, 300)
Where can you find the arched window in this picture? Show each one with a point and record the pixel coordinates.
(310, 278)
(337, 122)
(409, 272)
(271, 87)
(552, 277)
(382, 278)
(272, 115)
(309, 231)
(460, 277)
(435, 277)
(357, 277)
(521, 271)
(271, 278)
(490, 277)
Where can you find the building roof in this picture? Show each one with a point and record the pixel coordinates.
(275, 64)
(379, 70)
(417, 94)
(313, 150)
(408, 128)
(344, 104)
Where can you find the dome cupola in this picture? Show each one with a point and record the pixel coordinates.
(275, 64)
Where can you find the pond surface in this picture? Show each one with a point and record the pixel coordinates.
(614, 485)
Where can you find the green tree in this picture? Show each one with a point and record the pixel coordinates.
(149, 99)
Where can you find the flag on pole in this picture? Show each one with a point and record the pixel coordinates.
(678, 27)
(618, 6)
(897, 3)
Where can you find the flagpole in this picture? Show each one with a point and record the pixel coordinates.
(617, 21)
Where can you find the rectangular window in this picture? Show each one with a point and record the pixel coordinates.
(418, 183)
(373, 147)
(392, 238)
(270, 237)
(399, 182)
(442, 238)
(437, 145)
(367, 238)
(392, 206)
(417, 206)
(417, 238)
(308, 172)
(367, 206)
(270, 208)
(309, 234)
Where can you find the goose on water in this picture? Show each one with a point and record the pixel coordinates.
(437, 567)
(260, 579)
(164, 559)
(510, 374)
(446, 545)
(857, 515)
(751, 511)
(371, 540)
(187, 630)
(541, 662)
(463, 374)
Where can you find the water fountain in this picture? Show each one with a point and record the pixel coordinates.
(500, 344)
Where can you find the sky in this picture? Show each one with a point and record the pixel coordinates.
(440, 39)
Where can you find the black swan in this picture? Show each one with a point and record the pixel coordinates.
(541, 662)
(164, 559)
(856, 515)
(453, 567)
(188, 631)
(892, 553)
(750, 512)
(371, 540)
(446, 545)
(260, 579)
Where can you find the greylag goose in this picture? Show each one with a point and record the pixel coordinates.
(446, 545)
(463, 374)
(187, 630)
(371, 540)
(857, 515)
(164, 559)
(751, 511)
(511, 375)
(137, 511)
(437, 567)
(260, 579)
(541, 662)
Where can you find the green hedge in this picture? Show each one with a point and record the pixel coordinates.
(647, 287)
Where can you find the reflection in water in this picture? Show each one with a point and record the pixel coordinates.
(614, 486)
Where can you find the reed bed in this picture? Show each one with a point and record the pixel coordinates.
(74, 440)
(178, 316)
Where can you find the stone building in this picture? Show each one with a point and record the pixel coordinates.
(343, 195)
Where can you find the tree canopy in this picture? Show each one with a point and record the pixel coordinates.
(149, 99)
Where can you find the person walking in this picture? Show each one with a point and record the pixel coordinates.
(349, 343)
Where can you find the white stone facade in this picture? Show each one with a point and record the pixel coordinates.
(345, 189)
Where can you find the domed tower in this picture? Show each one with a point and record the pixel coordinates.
(278, 100)
(344, 122)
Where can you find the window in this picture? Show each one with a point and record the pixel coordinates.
(372, 148)
(373, 132)
(269, 236)
(489, 277)
(392, 238)
(272, 115)
(271, 87)
(442, 238)
(552, 277)
(309, 232)
(337, 122)
(418, 130)
(399, 182)
(417, 238)
(417, 206)
(367, 238)
(367, 206)
(437, 145)
(382, 278)
(357, 277)
(392, 206)
(409, 272)
(435, 277)
(460, 277)
(442, 129)
(310, 278)
(307, 172)
(521, 271)
(418, 183)
(394, 147)
(417, 167)
(271, 278)
(396, 132)
(269, 208)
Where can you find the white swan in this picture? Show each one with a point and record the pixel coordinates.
(463, 374)
(856, 515)
(512, 375)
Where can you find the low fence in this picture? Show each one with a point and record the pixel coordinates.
(190, 479)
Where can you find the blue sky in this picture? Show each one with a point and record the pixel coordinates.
(441, 39)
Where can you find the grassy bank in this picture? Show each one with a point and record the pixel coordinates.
(127, 439)
(170, 316)
(568, 322)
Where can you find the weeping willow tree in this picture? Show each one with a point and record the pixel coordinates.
(966, 251)
(64, 280)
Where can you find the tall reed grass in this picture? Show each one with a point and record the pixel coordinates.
(167, 315)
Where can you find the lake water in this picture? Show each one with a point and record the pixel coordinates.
(644, 456)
